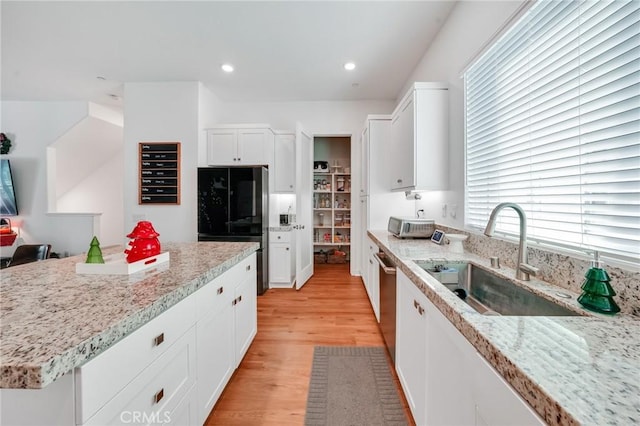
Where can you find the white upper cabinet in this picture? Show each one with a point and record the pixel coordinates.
(419, 139)
(284, 163)
(240, 145)
(374, 159)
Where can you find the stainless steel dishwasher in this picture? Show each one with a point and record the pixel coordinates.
(387, 302)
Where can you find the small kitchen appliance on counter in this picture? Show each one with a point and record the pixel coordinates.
(411, 227)
(287, 219)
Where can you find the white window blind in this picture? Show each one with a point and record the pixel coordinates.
(553, 124)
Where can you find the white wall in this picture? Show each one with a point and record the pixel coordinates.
(86, 171)
(162, 112)
(469, 26)
(32, 127)
(100, 192)
(209, 108)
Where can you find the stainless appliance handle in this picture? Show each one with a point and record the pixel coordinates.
(390, 270)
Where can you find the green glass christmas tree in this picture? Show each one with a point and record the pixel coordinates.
(94, 255)
(597, 293)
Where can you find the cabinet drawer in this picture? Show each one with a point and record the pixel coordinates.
(280, 237)
(214, 296)
(100, 379)
(156, 393)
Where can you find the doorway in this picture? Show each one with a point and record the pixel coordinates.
(332, 199)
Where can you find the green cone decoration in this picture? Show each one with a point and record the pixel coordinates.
(94, 255)
(597, 293)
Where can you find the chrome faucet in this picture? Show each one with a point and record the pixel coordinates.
(523, 269)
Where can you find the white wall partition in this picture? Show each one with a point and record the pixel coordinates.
(32, 127)
(162, 112)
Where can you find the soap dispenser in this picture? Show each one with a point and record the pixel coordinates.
(597, 293)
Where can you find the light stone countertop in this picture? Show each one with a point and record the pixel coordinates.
(53, 320)
(571, 370)
(281, 228)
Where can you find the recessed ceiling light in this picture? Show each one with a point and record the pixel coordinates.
(227, 67)
(349, 66)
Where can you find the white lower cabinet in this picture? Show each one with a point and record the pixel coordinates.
(282, 269)
(445, 380)
(373, 275)
(154, 395)
(450, 359)
(245, 307)
(411, 345)
(215, 351)
(496, 402)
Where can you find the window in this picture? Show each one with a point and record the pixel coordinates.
(553, 124)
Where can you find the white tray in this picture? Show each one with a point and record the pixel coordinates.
(116, 264)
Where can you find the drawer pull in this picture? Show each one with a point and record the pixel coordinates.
(157, 341)
(279, 237)
(220, 290)
(287, 249)
(418, 307)
(248, 267)
(158, 396)
(239, 298)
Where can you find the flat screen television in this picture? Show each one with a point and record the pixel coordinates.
(8, 204)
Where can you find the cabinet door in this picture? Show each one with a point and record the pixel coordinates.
(374, 281)
(186, 413)
(411, 344)
(245, 306)
(449, 373)
(221, 147)
(216, 357)
(279, 263)
(253, 147)
(364, 240)
(402, 144)
(496, 401)
(364, 161)
(284, 164)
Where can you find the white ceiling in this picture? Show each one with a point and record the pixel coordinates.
(282, 51)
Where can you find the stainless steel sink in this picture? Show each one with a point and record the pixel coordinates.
(491, 294)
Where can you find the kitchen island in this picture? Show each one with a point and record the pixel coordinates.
(570, 370)
(54, 322)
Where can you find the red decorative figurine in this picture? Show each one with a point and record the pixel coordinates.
(144, 242)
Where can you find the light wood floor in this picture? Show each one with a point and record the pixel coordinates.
(270, 386)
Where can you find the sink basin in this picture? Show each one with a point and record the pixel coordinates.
(491, 294)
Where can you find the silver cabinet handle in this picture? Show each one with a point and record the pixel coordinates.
(220, 290)
(287, 249)
(399, 181)
(248, 267)
(157, 341)
(158, 396)
(279, 237)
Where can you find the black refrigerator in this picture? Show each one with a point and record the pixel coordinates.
(233, 205)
